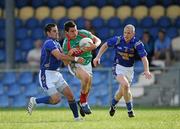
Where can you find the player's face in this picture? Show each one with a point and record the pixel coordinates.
(73, 32)
(128, 34)
(54, 33)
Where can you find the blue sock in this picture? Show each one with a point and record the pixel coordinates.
(74, 108)
(129, 106)
(43, 100)
(114, 102)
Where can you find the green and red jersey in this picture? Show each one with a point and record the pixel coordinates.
(74, 43)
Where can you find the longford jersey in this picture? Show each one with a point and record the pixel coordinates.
(74, 43)
(125, 52)
(48, 61)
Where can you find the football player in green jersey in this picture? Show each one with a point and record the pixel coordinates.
(82, 71)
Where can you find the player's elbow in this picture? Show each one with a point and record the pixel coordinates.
(105, 46)
(98, 42)
(144, 58)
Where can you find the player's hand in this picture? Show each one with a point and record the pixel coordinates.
(90, 48)
(80, 60)
(147, 75)
(72, 51)
(96, 61)
(75, 52)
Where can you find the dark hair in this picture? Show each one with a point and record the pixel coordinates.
(162, 30)
(146, 32)
(48, 27)
(68, 25)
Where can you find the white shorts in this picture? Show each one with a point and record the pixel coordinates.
(128, 72)
(87, 68)
(52, 81)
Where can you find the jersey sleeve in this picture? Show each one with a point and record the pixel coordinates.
(50, 46)
(139, 46)
(112, 41)
(87, 33)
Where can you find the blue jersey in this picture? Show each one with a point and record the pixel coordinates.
(125, 52)
(48, 61)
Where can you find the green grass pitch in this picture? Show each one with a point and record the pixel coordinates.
(146, 118)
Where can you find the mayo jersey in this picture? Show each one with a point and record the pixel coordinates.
(48, 61)
(125, 52)
(74, 43)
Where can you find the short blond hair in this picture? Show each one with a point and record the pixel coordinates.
(130, 26)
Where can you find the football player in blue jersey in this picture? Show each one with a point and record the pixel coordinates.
(50, 79)
(125, 47)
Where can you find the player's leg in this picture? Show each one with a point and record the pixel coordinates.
(116, 70)
(64, 89)
(84, 74)
(124, 77)
(118, 95)
(126, 93)
(47, 83)
(49, 99)
(72, 103)
(86, 81)
(130, 75)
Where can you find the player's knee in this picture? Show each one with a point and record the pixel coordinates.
(126, 86)
(126, 89)
(55, 100)
(70, 98)
(118, 95)
(86, 78)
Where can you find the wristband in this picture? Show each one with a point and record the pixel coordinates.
(76, 58)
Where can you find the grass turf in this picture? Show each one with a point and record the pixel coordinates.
(146, 118)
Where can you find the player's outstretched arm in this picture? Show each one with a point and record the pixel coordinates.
(63, 57)
(103, 48)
